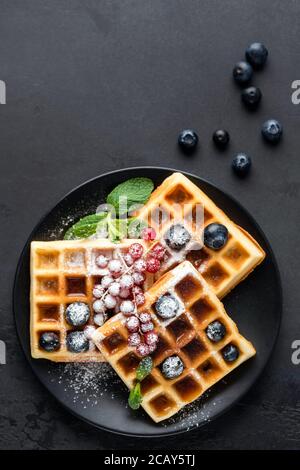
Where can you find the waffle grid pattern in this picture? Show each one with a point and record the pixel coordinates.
(63, 272)
(178, 200)
(184, 336)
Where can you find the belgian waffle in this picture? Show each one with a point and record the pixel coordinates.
(178, 200)
(184, 336)
(63, 272)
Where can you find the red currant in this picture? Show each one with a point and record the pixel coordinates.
(145, 327)
(134, 339)
(148, 234)
(132, 324)
(138, 278)
(158, 251)
(151, 338)
(139, 299)
(152, 347)
(136, 250)
(153, 264)
(145, 317)
(142, 349)
(140, 265)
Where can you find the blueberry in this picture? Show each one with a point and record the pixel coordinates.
(257, 54)
(241, 164)
(77, 313)
(172, 367)
(251, 96)
(166, 306)
(216, 331)
(272, 131)
(215, 236)
(49, 341)
(177, 237)
(221, 138)
(230, 353)
(77, 342)
(188, 140)
(242, 72)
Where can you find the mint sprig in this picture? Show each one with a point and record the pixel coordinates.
(123, 198)
(143, 370)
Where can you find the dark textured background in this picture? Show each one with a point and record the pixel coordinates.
(99, 85)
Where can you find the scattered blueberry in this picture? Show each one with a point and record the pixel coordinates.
(257, 54)
(241, 164)
(166, 306)
(215, 236)
(251, 96)
(215, 331)
(188, 140)
(49, 341)
(77, 342)
(77, 313)
(221, 138)
(242, 72)
(177, 237)
(172, 367)
(230, 353)
(272, 130)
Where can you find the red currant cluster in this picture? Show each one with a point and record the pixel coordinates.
(122, 290)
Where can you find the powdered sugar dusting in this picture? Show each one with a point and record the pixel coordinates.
(86, 383)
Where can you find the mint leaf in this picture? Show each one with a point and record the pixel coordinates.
(144, 368)
(135, 397)
(85, 227)
(135, 191)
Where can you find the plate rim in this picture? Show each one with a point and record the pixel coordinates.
(257, 375)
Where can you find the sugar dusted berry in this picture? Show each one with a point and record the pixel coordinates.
(137, 290)
(110, 301)
(77, 313)
(126, 281)
(167, 306)
(127, 307)
(100, 319)
(114, 289)
(148, 234)
(101, 261)
(134, 339)
(136, 250)
(158, 251)
(142, 349)
(145, 317)
(98, 306)
(77, 342)
(124, 293)
(153, 264)
(151, 338)
(128, 259)
(152, 347)
(132, 324)
(89, 331)
(145, 327)
(172, 367)
(140, 265)
(139, 299)
(138, 278)
(115, 267)
(98, 291)
(106, 281)
(49, 341)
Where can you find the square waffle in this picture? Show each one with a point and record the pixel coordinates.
(179, 201)
(63, 272)
(184, 336)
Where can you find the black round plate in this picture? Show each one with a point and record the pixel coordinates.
(255, 305)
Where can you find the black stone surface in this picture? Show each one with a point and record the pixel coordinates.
(97, 85)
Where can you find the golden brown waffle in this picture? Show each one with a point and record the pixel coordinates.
(184, 335)
(63, 272)
(177, 198)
